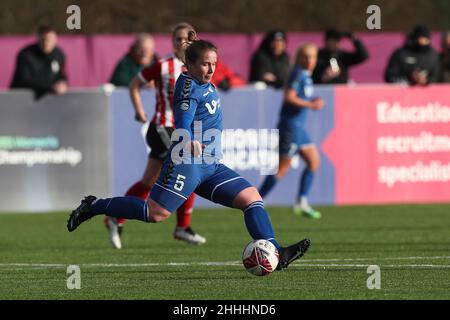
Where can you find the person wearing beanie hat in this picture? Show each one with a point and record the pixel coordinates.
(270, 63)
(420, 31)
(416, 63)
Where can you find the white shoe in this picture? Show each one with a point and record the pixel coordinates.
(304, 208)
(306, 211)
(188, 235)
(114, 235)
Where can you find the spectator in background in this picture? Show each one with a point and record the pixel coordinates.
(224, 78)
(40, 66)
(140, 55)
(333, 63)
(270, 63)
(416, 63)
(444, 72)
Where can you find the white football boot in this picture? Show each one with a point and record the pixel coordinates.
(303, 207)
(188, 235)
(114, 235)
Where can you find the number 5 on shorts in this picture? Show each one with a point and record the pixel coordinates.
(179, 184)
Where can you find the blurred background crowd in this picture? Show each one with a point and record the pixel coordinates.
(256, 41)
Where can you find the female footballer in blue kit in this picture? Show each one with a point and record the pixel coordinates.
(196, 106)
(298, 100)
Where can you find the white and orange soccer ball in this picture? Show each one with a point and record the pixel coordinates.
(260, 257)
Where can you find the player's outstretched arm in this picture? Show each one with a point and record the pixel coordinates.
(135, 95)
(291, 97)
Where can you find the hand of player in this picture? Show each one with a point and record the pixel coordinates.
(197, 148)
(317, 103)
(141, 117)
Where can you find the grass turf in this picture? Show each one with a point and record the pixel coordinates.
(410, 244)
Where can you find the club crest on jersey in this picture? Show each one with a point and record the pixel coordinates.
(184, 105)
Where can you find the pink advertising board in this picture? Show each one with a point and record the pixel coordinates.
(391, 144)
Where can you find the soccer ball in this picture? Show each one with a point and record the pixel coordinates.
(260, 257)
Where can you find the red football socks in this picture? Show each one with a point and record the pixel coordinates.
(184, 212)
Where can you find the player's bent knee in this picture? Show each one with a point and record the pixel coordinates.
(283, 168)
(246, 197)
(315, 165)
(281, 173)
(156, 212)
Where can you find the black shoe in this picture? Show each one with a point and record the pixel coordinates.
(80, 214)
(120, 229)
(188, 235)
(292, 253)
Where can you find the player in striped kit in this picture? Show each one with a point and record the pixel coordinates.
(164, 74)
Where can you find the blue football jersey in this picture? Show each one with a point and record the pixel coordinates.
(196, 106)
(197, 109)
(301, 81)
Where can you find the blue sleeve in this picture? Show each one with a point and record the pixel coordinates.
(185, 105)
(294, 80)
(184, 115)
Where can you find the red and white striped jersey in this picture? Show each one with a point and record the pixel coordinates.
(165, 73)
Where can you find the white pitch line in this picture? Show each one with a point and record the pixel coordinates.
(385, 258)
(381, 265)
(32, 265)
(301, 263)
(209, 263)
(110, 265)
(232, 264)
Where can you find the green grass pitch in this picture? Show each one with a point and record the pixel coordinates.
(410, 244)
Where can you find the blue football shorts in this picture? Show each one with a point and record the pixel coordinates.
(215, 182)
(292, 139)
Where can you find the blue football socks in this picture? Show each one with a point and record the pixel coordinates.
(258, 223)
(131, 208)
(267, 185)
(305, 183)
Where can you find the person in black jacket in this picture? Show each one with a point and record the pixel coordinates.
(40, 66)
(444, 72)
(416, 63)
(270, 63)
(333, 63)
